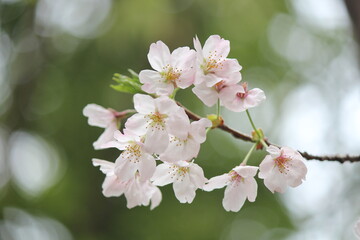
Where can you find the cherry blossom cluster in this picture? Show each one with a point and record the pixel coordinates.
(159, 144)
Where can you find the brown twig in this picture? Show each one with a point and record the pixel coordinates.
(247, 138)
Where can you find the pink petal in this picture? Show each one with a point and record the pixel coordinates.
(166, 105)
(113, 187)
(250, 188)
(178, 124)
(161, 176)
(234, 199)
(159, 55)
(184, 190)
(144, 104)
(155, 198)
(147, 166)
(207, 95)
(174, 151)
(274, 151)
(296, 172)
(198, 129)
(105, 166)
(218, 44)
(254, 98)
(106, 136)
(156, 140)
(217, 182)
(246, 171)
(98, 116)
(196, 175)
(137, 123)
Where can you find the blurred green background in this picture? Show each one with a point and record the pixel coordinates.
(56, 56)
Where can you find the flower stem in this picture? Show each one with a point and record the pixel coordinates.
(256, 130)
(172, 96)
(248, 154)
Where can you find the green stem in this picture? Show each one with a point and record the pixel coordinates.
(218, 109)
(264, 143)
(249, 154)
(172, 96)
(252, 123)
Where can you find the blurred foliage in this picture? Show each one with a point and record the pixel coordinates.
(52, 75)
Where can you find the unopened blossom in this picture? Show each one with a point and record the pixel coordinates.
(185, 144)
(240, 184)
(151, 121)
(238, 98)
(213, 65)
(134, 158)
(172, 70)
(357, 229)
(281, 168)
(186, 177)
(137, 191)
(104, 118)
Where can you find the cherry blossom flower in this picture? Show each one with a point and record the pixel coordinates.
(357, 229)
(172, 70)
(137, 191)
(104, 118)
(185, 144)
(151, 121)
(240, 184)
(238, 98)
(281, 168)
(134, 157)
(213, 65)
(210, 95)
(185, 176)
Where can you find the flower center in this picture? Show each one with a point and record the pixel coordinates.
(212, 62)
(220, 85)
(235, 176)
(178, 172)
(157, 120)
(281, 163)
(132, 152)
(171, 74)
(245, 93)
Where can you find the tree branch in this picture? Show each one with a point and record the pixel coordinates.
(247, 138)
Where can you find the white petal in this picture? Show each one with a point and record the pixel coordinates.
(266, 166)
(147, 166)
(151, 80)
(105, 137)
(165, 105)
(246, 171)
(191, 149)
(218, 44)
(178, 124)
(137, 123)
(208, 95)
(198, 129)
(134, 195)
(233, 197)
(183, 58)
(184, 190)
(98, 116)
(156, 198)
(250, 188)
(159, 55)
(105, 166)
(156, 140)
(162, 175)
(197, 177)
(112, 187)
(217, 182)
(296, 172)
(174, 151)
(276, 181)
(124, 168)
(274, 151)
(144, 104)
(254, 98)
